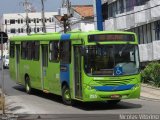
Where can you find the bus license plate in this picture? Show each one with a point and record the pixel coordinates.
(115, 96)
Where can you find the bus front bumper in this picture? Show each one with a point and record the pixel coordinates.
(91, 94)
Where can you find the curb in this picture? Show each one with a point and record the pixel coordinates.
(147, 91)
(149, 86)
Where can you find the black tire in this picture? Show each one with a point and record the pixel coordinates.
(66, 96)
(113, 102)
(27, 85)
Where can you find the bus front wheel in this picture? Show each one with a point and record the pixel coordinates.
(66, 97)
(27, 85)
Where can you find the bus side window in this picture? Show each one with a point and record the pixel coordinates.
(54, 51)
(35, 52)
(23, 50)
(65, 52)
(29, 50)
(12, 48)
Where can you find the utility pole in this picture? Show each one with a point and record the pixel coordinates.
(66, 14)
(43, 17)
(27, 7)
(98, 11)
(3, 39)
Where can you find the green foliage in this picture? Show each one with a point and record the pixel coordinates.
(151, 74)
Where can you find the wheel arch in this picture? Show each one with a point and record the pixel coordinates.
(64, 83)
(26, 75)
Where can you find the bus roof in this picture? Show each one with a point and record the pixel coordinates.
(57, 36)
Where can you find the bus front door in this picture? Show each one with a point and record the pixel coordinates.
(77, 72)
(45, 85)
(17, 63)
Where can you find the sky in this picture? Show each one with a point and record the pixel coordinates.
(15, 6)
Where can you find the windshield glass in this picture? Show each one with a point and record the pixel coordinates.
(111, 60)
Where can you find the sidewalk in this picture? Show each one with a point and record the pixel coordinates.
(151, 92)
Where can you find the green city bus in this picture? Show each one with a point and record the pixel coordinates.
(82, 66)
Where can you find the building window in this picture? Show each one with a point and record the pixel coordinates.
(6, 22)
(13, 30)
(19, 30)
(37, 29)
(141, 2)
(153, 31)
(29, 20)
(37, 20)
(112, 9)
(12, 21)
(34, 20)
(141, 35)
(130, 5)
(157, 30)
(19, 21)
(42, 29)
(121, 6)
(149, 33)
(104, 11)
(50, 20)
(144, 34)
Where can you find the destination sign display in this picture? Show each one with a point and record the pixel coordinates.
(111, 37)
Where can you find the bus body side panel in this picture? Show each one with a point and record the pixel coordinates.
(17, 61)
(65, 68)
(54, 79)
(35, 72)
(12, 64)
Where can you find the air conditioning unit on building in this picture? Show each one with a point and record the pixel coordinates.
(63, 11)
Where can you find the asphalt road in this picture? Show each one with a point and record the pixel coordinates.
(41, 105)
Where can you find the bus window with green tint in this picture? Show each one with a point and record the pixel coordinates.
(54, 51)
(12, 49)
(103, 59)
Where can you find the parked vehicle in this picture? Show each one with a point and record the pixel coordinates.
(6, 61)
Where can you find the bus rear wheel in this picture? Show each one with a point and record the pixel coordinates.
(27, 85)
(66, 97)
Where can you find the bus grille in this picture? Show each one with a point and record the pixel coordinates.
(114, 82)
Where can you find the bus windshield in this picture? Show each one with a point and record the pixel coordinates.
(111, 60)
